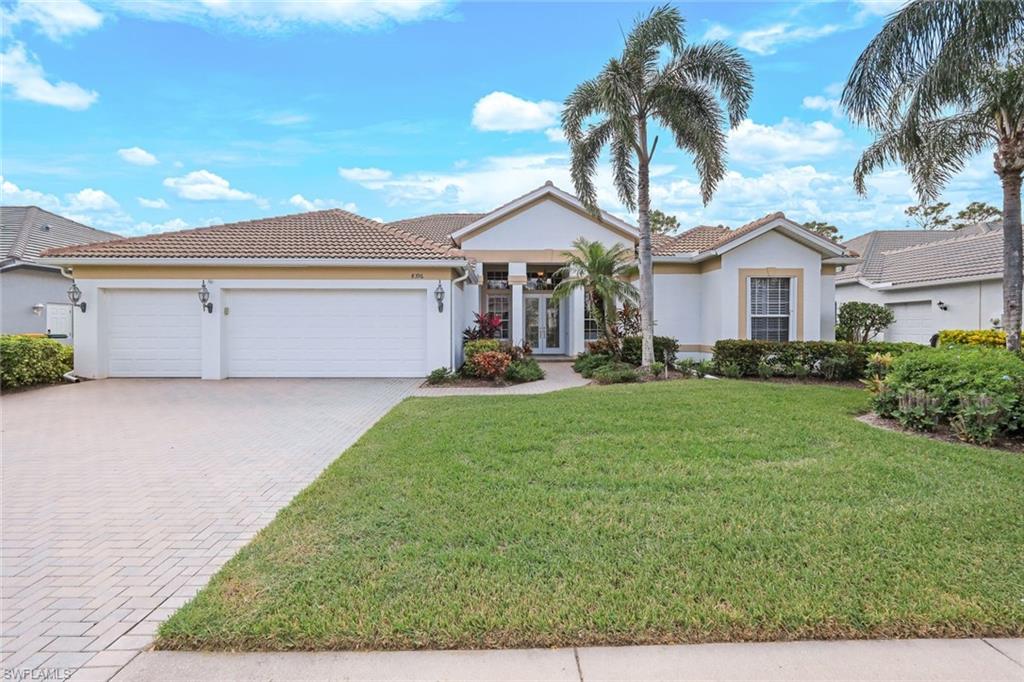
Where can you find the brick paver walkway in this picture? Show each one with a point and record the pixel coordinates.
(122, 497)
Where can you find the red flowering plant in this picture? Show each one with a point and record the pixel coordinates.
(485, 326)
(490, 364)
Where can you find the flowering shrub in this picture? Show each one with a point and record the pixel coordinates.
(471, 348)
(995, 338)
(490, 364)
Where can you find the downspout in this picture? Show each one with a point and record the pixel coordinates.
(70, 376)
(459, 280)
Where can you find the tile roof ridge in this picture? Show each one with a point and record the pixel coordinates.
(20, 241)
(417, 239)
(940, 242)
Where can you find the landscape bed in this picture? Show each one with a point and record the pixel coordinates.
(686, 511)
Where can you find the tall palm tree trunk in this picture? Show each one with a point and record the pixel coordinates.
(643, 204)
(1013, 268)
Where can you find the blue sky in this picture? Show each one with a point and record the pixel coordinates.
(140, 117)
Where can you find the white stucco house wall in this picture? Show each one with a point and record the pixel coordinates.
(932, 280)
(331, 293)
(33, 298)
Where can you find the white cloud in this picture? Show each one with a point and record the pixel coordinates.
(282, 15)
(878, 8)
(137, 156)
(202, 185)
(821, 103)
(13, 195)
(152, 203)
(754, 143)
(555, 134)
(717, 31)
(28, 82)
(151, 228)
(320, 204)
(500, 111)
(364, 174)
(768, 39)
(90, 199)
(54, 18)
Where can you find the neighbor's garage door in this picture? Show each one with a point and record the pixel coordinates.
(913, 322)
(153, 333)
(325, 333)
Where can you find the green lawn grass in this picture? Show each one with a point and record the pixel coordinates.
(671, 512)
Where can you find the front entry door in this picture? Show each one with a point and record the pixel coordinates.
(543, 323)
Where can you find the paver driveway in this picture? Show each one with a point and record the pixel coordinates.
(122, 497)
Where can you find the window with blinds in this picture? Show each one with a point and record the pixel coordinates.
(591, 327)
(769, 308)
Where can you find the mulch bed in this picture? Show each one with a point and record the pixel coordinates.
(943, 433)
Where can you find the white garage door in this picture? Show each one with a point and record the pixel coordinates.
(325, 333)
(913, 322)
(153, 333)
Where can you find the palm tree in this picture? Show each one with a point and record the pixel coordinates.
(943, 80)
(602, 272)
(639, 90)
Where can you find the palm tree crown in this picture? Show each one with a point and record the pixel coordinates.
(604, 273)
(942, 81)
(683, 92)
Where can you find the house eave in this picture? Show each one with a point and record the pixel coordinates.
(71, 261)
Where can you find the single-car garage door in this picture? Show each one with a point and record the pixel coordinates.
(913, 322)
(153, 333)
(325, 333)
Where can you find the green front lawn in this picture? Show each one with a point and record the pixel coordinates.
(669, 512)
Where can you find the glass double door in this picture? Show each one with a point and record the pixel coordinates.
(543, 323)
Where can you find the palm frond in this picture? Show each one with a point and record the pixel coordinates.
(695, 119)
(582, 103)
(721, 68)
(663, 26)
(585, 155)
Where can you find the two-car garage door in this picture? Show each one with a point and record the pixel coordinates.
(270, 333)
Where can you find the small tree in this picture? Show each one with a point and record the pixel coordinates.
(858, 321)
(663, 223)
(602, 272)
(929, 216)
(976, 212)
(826, 230)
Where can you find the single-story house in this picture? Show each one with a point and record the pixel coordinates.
(330, 293)
(931, 279)
(34, 298)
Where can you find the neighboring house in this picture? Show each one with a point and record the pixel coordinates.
(932, 280)
(33, 295)
(330, 293)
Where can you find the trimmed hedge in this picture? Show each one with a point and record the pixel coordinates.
(993, 338)
(31, 360)
(840, 360)
(977, 391)
(664, 350)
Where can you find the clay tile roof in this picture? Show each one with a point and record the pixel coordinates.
(27, 231)
(330, 234)
(438, 226)
(974, 253)
(744, 229)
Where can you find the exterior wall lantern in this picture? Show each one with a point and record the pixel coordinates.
(204, 298)
(75, 295)
(439, 297)
(38, 309)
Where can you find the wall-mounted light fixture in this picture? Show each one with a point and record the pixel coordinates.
(204, 298)
(38, 309)
(75, 295)
(942, 306)
(439, 297)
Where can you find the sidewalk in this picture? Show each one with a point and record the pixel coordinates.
(923, 659)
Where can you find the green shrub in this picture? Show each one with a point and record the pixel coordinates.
(525, 369)
(441, 375)
(471, 348)
(810, 354)
(616, 373)
(798, 371)
(765, 369)
(31, 360)
(859, 321)
(657, 369)
(703, 368)
(730, 370)
(586, 363)
(994, 338)
(979, 391)
(664, 350)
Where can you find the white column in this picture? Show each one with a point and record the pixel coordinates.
(577, 315)
(517, 277)
(210, 333)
